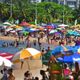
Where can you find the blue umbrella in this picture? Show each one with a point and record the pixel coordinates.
(52, 25)
(57, 50)
(70, 59)
(60, 49)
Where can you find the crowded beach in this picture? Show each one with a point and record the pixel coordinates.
(46, 52)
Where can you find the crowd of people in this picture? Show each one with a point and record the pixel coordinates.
(37, 38)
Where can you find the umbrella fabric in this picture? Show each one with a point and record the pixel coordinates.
(62, 25)
(70, 59)
(59, 49)
(9, 29)
(52, 31)
(26, 53)
(24, 24)
(32, 30)
(6, 55)
(7, 23)
(50, 26)
(73, 33)
(25, 33)
(5, 62)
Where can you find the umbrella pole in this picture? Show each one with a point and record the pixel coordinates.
(28, 64)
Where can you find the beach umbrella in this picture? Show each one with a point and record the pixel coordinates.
(26, 53)
(60, 49)
(6, 55)
(24, 24)
(50, 26)
(9, 29)
(5, 62)
(7, 23)
(52, 31)
(63, 25)
(70, 59)
(33, 26)
(32, 30)
(25, 33)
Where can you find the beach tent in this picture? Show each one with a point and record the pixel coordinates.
(5, 62)
(6, 55)
(26, 53)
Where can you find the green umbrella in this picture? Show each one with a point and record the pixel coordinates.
(25, 33)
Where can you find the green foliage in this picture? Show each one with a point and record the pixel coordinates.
(46, 11)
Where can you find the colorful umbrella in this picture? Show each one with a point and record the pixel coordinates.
(6, 55)
(26, 53)
(63, 25)
(7, 23)
(5, 62)
(24, 24)
(52, 31)
(70, 59)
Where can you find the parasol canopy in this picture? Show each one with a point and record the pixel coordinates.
(5, 62)
(63, 25)
(6, 55)
(26, 53)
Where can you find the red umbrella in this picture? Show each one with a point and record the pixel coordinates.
(49, 27)
(24, 24)
(7, 55)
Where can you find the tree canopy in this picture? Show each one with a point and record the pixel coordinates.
(46, 11)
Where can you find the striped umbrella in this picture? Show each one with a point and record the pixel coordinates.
(6, 55)
(5, 62)
(25, 54)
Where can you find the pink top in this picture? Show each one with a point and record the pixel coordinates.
(66, 72)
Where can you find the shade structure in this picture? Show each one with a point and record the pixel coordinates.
(63, 25)
(59, 49)
(70, 59)
(53, 31)
(73, 33)
(26, 53)
(6, 55)
(5, 62)
(7, 23)
(24, 23)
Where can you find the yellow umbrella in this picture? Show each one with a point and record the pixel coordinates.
(25, 54)
(34, 26)
(17, 26)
